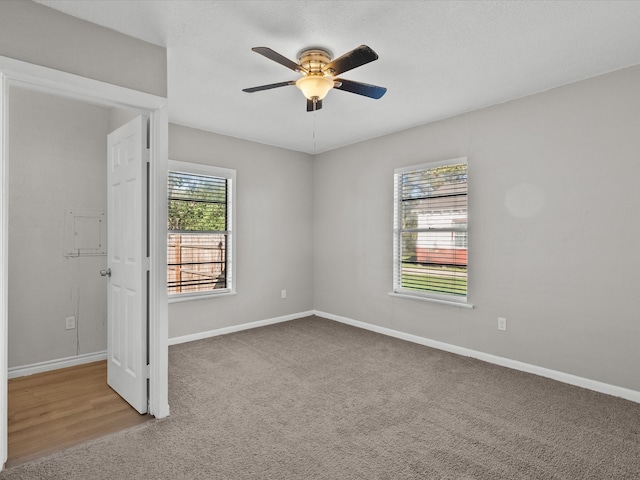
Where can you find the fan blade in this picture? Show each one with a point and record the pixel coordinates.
(268, 87)
(276, 57)
(313, 106)
(355, 58)
(371, 91)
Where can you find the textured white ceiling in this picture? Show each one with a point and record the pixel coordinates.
(437, 58)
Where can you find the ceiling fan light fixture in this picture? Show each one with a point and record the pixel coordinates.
(315, 86)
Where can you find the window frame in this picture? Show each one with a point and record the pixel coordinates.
(397, 289)
(230, 175)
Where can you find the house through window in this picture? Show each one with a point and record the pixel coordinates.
(200, 233)
(430, 230)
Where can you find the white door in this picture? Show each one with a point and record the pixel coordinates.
(127, 263)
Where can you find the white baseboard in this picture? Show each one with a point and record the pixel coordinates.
(237, 328)
(594, 385)
(40, 367)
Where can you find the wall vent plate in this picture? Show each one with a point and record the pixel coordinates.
(85, 233)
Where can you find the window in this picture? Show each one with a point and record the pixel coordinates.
(430, 231)
(200, 229)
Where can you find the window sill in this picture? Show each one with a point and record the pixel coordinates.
(431, 299)
(187, 297)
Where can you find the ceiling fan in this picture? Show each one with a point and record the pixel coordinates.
(319, 73)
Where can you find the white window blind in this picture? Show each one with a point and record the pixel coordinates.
(199, 231)
(430, 230)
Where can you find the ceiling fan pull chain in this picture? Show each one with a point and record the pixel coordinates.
(315, 113)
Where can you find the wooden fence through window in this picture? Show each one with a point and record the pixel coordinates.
(196, 262)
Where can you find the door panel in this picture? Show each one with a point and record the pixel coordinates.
(127, 261)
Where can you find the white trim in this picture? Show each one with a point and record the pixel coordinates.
(563, 377)
(43, 79)
(431, 299)
(158, 304)
(4, 270)
(201, 169)
(187, 297)
(429, 165)
(237, 328)
(40, 367)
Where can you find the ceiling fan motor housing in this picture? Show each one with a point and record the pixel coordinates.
(314, 60)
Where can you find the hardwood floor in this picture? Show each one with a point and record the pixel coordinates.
(55, 410)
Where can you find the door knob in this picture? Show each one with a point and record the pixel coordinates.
(106, 273)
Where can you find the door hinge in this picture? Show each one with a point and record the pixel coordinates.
(147, 263)
(148, 371)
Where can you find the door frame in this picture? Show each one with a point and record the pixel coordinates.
(16, 73)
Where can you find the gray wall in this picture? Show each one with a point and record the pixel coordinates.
(58, 162)
(40, 35)
(553, 205)
(274, 231)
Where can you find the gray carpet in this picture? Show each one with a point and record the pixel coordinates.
(315, 399)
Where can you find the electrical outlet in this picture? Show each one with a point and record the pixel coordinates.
(502, 323)
(283, 293)
(70, 323)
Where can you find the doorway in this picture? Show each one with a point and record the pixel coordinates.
(57, 246)
(18, 74)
